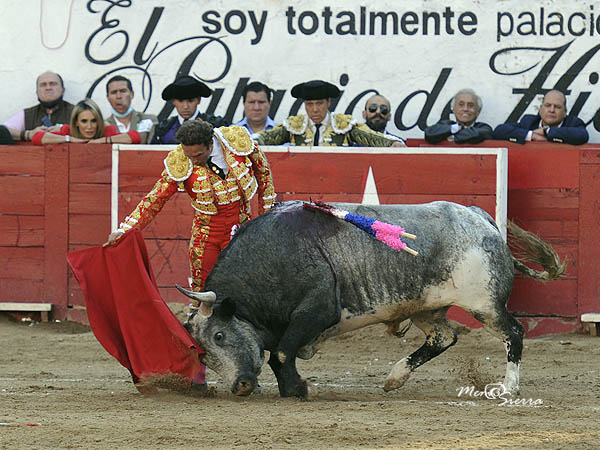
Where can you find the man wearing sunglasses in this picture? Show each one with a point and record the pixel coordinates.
(319, 127)
(377, 114)
(466, 106)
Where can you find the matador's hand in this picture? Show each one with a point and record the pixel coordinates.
(113, 238)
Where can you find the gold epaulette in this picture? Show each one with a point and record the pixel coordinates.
(236, 139)
(363, 136)
(178, 166)
(342, 123)
(296, 124)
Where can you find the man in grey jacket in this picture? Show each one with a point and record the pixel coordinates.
(119, 93)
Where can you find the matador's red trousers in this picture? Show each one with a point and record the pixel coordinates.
(206, 243)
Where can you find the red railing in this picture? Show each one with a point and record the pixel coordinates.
(57, 198)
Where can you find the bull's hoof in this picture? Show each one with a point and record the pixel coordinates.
(306, 352)
(512, 388)
(311, 391)
(511, 379)
(395, 383)
(202, 390)
(301, 389)
(398, 376)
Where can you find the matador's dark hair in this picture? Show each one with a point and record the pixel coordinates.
(195, 132)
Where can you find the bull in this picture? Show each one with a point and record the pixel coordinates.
(294, 277)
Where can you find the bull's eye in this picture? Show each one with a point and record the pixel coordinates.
(219, 336)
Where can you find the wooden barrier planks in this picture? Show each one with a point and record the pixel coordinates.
(553, 191)
(22, 206)
(22, 160)
(407, 174)
(21, 231)
(56, 225)
(588, 296)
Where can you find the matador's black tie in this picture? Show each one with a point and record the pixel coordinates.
(316, 140)
(216, 169)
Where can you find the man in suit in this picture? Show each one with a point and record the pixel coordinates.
(551, 124)
(119, 93)
(466, 106)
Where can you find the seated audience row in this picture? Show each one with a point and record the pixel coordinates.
(319, 126)
(86, 125)
(54, 119)
(551, 124)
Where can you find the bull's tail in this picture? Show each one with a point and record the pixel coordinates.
(529, 247)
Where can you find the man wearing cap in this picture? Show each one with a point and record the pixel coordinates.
(119, 93)
(319, 126)
(185, 93)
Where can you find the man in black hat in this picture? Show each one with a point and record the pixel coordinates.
(319, 126)
(185, 93)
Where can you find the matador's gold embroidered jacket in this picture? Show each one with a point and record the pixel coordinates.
(249, 173)
(342, 130)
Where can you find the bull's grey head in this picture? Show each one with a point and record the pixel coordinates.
(232, 346)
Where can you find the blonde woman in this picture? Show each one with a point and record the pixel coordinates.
(87, 125)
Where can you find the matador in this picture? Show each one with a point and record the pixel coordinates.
(221, 169)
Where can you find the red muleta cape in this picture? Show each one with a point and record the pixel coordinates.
(128, 315)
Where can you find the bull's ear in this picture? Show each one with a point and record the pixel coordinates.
(225, 310)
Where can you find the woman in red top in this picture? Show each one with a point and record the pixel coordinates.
(87, 125)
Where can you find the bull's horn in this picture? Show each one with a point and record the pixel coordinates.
(205, 297)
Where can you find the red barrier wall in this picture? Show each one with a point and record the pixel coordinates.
(57, 198)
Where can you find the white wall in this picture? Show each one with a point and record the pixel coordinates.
(54, 34)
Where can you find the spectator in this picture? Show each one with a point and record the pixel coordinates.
(119, 93)
(257, 101)
(377, 114)
(86, 125)
(185, 93)
(5, 137)
(550, 125)
(466, 106)
(50, 114)
(320, 127)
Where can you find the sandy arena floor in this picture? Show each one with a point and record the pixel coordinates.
(59, 389)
